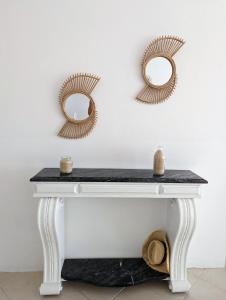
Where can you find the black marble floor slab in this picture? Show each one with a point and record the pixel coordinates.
(117, 175)
(110, 272)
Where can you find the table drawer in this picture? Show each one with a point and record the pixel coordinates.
(179, 189)
(119, 188)
(56, 188)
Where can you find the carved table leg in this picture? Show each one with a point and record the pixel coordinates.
(181, 225)
(51, 228)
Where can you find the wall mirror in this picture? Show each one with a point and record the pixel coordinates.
(159, 69)
(78, 106)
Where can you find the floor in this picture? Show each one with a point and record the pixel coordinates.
(207, 284)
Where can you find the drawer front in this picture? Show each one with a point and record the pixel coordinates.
(56, 188)
(119, 188)
(181, 189)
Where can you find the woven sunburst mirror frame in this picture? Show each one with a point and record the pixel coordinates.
(80, 83)
(166, 47)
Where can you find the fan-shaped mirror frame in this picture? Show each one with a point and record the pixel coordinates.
(80, 83)
(167, 47)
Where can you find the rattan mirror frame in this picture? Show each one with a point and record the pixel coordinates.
(167, 47)
(80, 83)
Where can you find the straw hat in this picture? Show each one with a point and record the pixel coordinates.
(156, 251)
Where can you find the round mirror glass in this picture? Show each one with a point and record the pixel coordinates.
(76, 106)
(158, 70)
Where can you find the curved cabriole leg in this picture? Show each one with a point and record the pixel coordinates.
(181, 225)
(51, 228)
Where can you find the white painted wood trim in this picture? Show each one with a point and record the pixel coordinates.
(180, 222)
(116, 190)
(51, 228)
(181, 225)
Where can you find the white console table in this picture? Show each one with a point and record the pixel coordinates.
(52, 188)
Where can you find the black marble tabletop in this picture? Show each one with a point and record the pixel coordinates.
(117, 175)
(110, 272)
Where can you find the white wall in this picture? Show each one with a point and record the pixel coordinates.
(111, 227)
(44, 41)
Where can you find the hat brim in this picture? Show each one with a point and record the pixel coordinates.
(159, 235)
